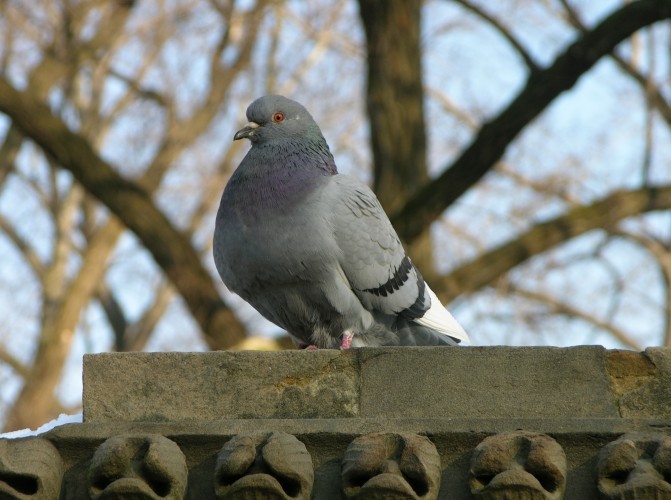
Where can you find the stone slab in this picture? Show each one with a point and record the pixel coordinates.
(392, 382)
(161, 387)
(480, 382)
(649, 393)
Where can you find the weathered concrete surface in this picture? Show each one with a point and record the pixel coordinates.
(642, 382)
(486, 381)
(409, 382)
(219, 385)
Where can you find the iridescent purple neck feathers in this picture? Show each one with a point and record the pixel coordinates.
(277, 175)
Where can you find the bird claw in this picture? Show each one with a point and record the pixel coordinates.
(346, 341)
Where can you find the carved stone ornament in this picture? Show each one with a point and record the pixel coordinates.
(521, 465)
(272, 465)
(148, 467)
(391, 466)
(29, 469)
(635, 467)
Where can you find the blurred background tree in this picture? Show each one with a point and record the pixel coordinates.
(521, 149)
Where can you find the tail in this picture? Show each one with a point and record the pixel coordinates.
(411, 333)
(439, 320)
(400, 331)
(435, 328)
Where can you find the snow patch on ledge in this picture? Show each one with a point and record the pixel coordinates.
(61, 420)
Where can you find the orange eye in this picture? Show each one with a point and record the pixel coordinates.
(278, 117)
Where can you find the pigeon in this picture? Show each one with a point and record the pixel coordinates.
(312, 250)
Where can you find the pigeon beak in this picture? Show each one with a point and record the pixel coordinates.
(246, 131)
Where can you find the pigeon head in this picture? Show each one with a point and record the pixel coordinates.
(274, 117)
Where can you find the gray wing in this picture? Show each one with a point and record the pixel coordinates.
(373, 259)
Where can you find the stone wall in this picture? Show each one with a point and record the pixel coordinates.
(449, 423)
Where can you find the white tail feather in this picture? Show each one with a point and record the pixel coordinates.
(438, 318)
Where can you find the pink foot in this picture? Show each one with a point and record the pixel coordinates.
(306, 347)
(346, 341)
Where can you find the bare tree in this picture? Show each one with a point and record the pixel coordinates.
(81, 66)
(115, 113)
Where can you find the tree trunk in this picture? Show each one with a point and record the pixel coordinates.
(395, 103)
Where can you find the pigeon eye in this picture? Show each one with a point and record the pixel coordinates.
(278, 117)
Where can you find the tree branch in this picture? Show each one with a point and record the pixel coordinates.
(604, 213)
(503, 31)
(562, 308)
(170, 248)
(541, 89)
(115, 315)
(182, 133)
(660, 251)
(138, 333)
(9, 150)
(652, 90)
(19, 368)
(32, 258)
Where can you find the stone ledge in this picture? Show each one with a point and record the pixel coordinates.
(407, 382)
(358, 426)
(420, 423)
